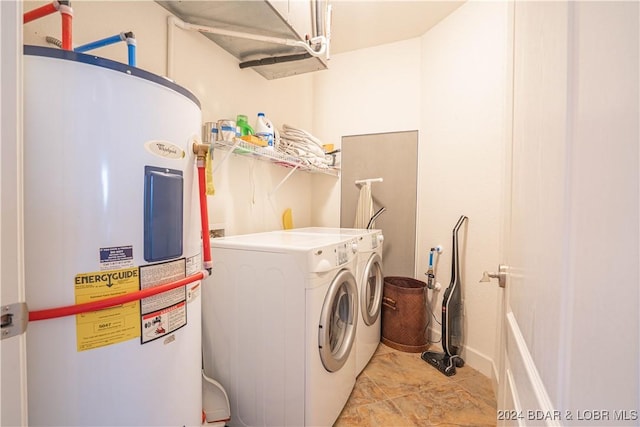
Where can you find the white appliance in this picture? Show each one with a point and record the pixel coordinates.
(279, 323)
(110, 208)
(370, 280)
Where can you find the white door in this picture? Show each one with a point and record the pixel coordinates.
(372, 289)
(12, 349)
(571, 327)
(338, 320)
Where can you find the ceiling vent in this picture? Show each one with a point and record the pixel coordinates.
(275, 38)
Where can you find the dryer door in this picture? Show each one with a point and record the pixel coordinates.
(337, 328)
(372, 287)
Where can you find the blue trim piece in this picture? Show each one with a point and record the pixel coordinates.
(131, 50)
(99, 43)
(163, 213)
(112, 65)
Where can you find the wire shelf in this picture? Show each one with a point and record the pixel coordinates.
(244, 148)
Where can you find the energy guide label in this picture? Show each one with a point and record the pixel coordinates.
(110, 325)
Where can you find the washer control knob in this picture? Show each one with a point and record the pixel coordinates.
(354, 247)
(380, 238)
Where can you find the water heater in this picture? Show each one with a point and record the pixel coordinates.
(111, 207)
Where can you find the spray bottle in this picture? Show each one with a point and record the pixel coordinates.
(431, 277)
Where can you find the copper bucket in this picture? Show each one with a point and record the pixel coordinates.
(404, 314)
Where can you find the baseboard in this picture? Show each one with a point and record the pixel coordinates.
(479, 361)
(527, 388)
(494, 378)
(474, 358)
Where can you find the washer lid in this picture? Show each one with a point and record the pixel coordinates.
(367, 240)
(318, 253)
(278, 241)
(332, 230)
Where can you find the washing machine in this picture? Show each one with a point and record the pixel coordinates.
(370, 280)
(279, 326)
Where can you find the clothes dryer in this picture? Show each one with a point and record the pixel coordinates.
(370, 280)
(279, 323)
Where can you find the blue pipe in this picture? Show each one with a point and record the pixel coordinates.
(131, 49)
(128, 37)
(99, 43)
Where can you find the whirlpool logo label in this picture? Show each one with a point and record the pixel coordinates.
(164, 149)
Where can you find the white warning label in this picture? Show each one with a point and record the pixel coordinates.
(163, 322)
(163, 313)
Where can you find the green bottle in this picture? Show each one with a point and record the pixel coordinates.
(243, 124)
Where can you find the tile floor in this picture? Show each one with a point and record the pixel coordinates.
(400, 389)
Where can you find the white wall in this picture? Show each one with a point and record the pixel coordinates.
(604, 208)
(366, 91)
(449, 84)
(576, 205)
(242, 202)
(464, 87)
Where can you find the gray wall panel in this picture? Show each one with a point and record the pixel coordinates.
(393, 157)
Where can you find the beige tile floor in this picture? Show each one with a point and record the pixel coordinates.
(400, 389)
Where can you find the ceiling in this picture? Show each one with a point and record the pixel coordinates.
(357, 24)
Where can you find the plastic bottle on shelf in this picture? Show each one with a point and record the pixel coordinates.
(264, 130)
(243, 123)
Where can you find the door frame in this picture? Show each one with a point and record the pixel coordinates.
(13, 350)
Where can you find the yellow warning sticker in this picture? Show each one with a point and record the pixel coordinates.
(110, 325)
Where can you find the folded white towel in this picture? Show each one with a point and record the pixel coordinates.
(300, 143)
(364, 209)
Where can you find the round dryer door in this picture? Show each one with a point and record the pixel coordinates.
(372, 287)
(337, 329)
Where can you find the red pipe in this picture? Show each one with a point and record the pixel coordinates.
(204, 215)
(66, 13)
(45, 10)
(52, 313)
(67, 17)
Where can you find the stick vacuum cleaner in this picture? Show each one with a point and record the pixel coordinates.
(448, 361)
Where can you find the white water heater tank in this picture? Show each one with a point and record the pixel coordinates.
(111, 207)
